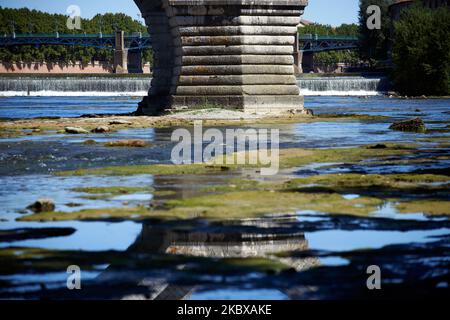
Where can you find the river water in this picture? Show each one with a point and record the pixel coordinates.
(341, 246)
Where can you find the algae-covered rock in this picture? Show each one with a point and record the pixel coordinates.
(120, 122)
(101, 129)
(75, 130)
(413, 125)
(128, 143)
(42, 205)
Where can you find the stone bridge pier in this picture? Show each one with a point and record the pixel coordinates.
(235, 54)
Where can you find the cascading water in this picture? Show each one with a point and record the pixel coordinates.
(74, 86)
(343, 86)
(139, 86)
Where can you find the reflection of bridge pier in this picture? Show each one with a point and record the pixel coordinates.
(221, 240)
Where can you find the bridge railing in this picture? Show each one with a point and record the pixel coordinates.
(74, 36)
(317, 37)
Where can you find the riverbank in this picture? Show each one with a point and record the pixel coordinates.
(209, 117)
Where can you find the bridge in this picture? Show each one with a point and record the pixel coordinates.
(127, 46)
(309, 44)
(132, 41)
(140, 41)
(316, 43)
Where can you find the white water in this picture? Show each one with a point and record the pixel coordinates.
(351, 93)
(129, 86)
(342, 86)
(72, 94)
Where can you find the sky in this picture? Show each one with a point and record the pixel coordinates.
(333, 12)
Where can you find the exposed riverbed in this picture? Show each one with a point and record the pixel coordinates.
(306, 233)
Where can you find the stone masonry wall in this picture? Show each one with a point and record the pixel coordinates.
(232, 54)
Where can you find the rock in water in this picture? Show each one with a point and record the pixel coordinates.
(101, 129)
(76, 130)
(128, 143)
(414, 125)
(120, 122)
(43, 205)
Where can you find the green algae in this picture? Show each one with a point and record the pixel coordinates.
(159, 169)
(98, 193)
(341, 182)
(296, 157)
(36, 260)
(428, 207)
(229, 205)
(289, 158)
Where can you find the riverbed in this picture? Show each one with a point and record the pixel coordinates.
(310, 252)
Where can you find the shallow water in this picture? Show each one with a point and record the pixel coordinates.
(27, 164)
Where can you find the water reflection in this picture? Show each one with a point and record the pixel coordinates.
(251, 239)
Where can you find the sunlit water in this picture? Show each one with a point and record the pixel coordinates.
(27, 164)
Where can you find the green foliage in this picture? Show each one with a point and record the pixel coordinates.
(374, 44)
(421, 52)
(327, 30)
(333, 57)
(33, 21)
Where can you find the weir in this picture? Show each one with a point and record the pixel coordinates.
(139, 86)
(225, 53)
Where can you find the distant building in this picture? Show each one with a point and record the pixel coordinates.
(304, 23)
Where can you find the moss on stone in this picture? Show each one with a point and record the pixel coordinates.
(339, 182)
(229, 205)
(296, 157)
(99, 193)
(159, 169)
(428, 207)
(289, 158)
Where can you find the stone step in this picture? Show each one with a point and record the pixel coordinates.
(237, 40)
(235, 59)
(237, 30)
(235, 80)
(233, 20)
(237, 69)
(238, 90)
(232, 50)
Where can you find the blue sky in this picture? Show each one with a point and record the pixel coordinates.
(332, 12)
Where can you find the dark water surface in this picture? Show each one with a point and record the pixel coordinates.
(328, 254)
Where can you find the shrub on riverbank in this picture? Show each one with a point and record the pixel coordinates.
(421, 52)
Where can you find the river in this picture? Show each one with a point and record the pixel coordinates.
(336, 249)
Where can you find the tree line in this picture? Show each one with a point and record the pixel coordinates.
(33, 21)
(332, 57)
(418, 44)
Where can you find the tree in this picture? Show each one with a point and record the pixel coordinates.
(374, 44)
(26, 21)
(333, 57)
(421, 52)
